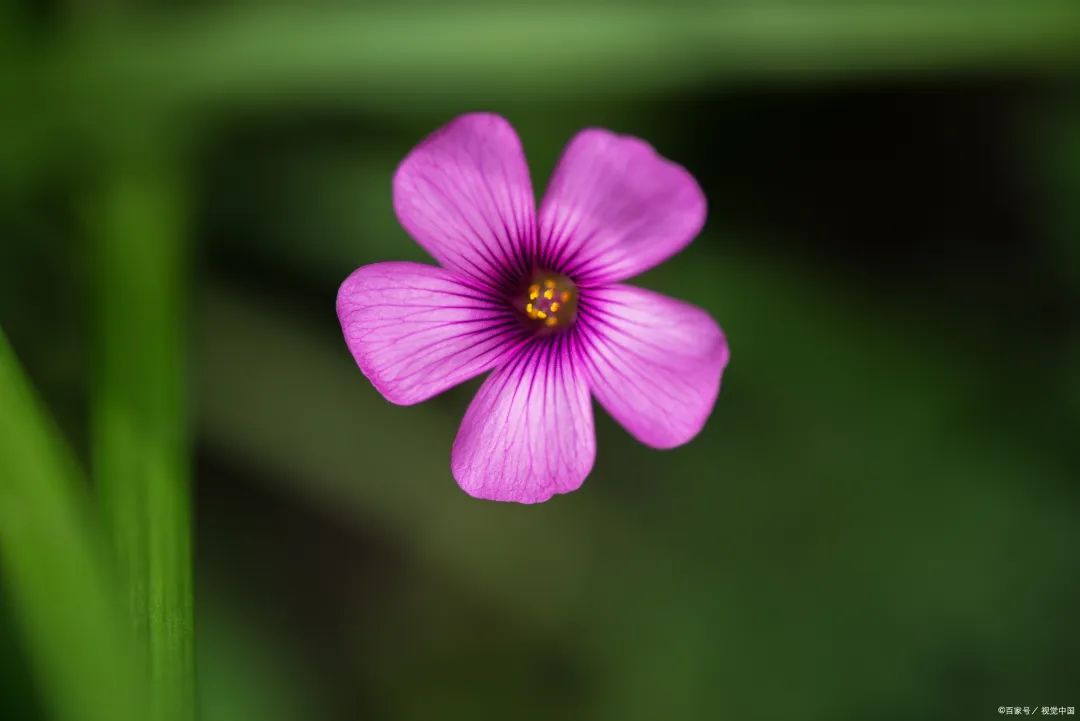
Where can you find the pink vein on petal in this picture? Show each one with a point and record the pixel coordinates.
(653, 362)
(415, 330)
(465, 195)
(615, 208)
(528, 433)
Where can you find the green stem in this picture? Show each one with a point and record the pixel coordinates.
(139, 423)
(53, 566)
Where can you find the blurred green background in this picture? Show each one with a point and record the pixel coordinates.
(878, 522)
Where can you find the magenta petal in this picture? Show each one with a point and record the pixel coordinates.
(615, 208)
(416, 330)
(528, 434)
(653, 362)
(465, 195)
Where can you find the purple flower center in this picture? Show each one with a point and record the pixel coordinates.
(548, 302)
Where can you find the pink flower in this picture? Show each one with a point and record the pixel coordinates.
(536, 297)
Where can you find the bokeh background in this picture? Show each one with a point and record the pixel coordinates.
(880, 521)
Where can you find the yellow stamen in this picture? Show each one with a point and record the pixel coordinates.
(550, 303)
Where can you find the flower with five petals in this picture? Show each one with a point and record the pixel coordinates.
(536, 297)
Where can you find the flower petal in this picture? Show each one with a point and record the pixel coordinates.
(416, 330)
(465, 195)
(653, 362)
(615, 208)
(528, 434)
